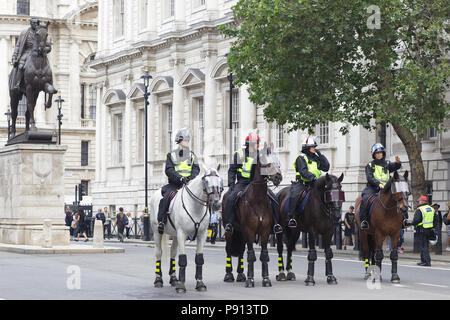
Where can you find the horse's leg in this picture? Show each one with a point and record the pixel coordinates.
(199, 261)
(281, 276)
(240, 270)
(251, 258)
(27, 120)
(182, 262)
(31, 104)
(158, 253)
(312, 257)
(394, 257)
(331, 279)
(292, 239)
(264, 258)
(364, 252)
(173, 253)
(229, 266)
(14, 113)
(379, 251)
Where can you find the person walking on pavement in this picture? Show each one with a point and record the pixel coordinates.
(349, 232)
(424, 221)
(121, 223)
(377, 175)
(181, 167)
(101, 216)
(308, 166)
(214, 222)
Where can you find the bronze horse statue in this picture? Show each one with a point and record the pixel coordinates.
(320, 216)
(388, 213)
(254, 218)
(37, 77)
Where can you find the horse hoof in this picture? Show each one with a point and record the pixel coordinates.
(310, 281)
(229, 277)
(367, 276)
(331, 280)
(281, 277)
(250, 283)
(241, 277)
(158, 282)
(173, 281)
(266, 282)
(200, 286)
(291, 276)
(180, 287)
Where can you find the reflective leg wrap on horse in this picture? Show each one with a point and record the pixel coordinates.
(394, 258)
(280, 263)
(379, 257)
(172, 267)
(228, 266)
(158, 268)
(198, 266)
(182, 263)
(241, 265)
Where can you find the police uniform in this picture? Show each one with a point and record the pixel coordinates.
(424, 221)
(181, 166)
(308, 167)
(377, 172)
(241, 169)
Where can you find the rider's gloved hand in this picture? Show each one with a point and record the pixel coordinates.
(184, 180)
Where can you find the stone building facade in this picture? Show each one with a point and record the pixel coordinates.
(73, 34)
(179, 42)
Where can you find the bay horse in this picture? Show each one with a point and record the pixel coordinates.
(37, 77)
(320, 216)
(254, 218)
(188, 217)
(388, 214)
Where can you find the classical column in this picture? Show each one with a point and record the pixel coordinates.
(99, 119)
(247, 113)
(74, 82)
(127, 129)
(178, 94)
(4, 72)
(104, 142)
(212, 8)
(210, 108)
(180, 15)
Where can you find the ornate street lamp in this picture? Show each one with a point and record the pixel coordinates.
(230, 80)
(8, 116)
(60, 115)
(146, 77)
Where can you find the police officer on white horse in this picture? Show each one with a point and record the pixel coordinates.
(181, 167)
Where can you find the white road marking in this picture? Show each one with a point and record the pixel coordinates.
(431, 285)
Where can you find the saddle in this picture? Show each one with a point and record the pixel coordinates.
(369, 204)
(169, 202)
(302, 199)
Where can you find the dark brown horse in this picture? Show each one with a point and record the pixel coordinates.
(386, 219)
(254, 218)
(37, 77)
(320, 215)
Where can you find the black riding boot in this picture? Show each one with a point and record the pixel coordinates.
(162, 216)
(363, 216)
(276, 217)
(229, 214)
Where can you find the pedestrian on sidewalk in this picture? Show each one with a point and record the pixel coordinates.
(101, 216)
(107, 225)
(214, 222)
(446, 220)
(82, 225)
(129, 225)
(68, 220)
(75, 224)
(349, 231)
(121, 223)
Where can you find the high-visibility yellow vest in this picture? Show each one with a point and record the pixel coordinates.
(380, 173)
(312, 167)
(427, 216)
(184, 168)
(246, 168)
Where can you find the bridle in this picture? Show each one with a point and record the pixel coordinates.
(396, 200)
(331, 196)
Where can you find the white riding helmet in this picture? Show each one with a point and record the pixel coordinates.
(309, 142)
(182, 134)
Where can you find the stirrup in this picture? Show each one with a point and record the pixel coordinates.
(229, 228)
(364, 225)
(277, 229)
(161, 227)
(292, 223)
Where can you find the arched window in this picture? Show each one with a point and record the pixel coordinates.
(23, 7)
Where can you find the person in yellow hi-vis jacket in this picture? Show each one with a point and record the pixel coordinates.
(308, 167)
(181, 167)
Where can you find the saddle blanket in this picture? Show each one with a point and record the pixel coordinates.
(302, 204)
(371, 201)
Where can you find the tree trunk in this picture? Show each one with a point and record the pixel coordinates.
(414, 150)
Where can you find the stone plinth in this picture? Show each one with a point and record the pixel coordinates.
(31, 191)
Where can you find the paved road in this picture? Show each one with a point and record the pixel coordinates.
(130, 275)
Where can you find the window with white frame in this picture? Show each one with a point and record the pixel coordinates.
(144, 14)
(168, 126)
(117, 139)
(169, 8)
(278, 137)
(323, 133)
(23, 7)
(235, 120)
(119, 18)
(199, 125)
(432, 133)
(92, 101)
(198, 3)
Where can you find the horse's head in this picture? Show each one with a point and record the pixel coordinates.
(41, 36)
(270, 165)
(213, 187)
(398, 186)
(333, 195)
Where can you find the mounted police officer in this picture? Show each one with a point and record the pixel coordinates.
(181, 167)
(377, 174)
(241, 169)
(308, 166)
(424, 222)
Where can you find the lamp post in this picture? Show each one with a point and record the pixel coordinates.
(8, 116)
(230, 80)
(60, 115)
(146, 77)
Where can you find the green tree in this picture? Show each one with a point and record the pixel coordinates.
(360, 62)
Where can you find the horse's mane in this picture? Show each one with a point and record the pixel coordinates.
(320, 183)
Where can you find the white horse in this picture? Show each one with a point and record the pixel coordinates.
(189, 216)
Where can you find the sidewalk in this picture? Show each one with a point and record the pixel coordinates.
(408, 245)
